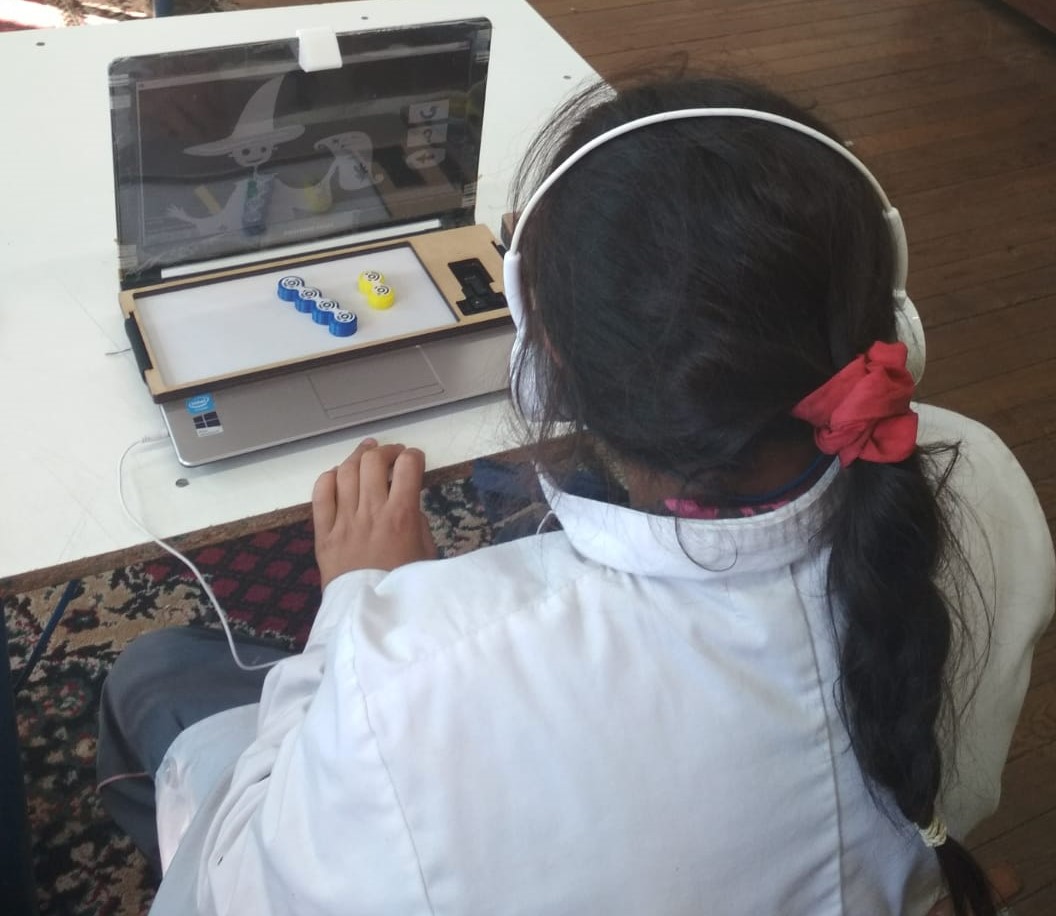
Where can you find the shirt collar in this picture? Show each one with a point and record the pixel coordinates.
(655, 545)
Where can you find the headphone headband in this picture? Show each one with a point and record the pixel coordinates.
(894, 220)
(907, 320)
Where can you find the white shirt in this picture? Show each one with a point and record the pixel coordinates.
(631, 716)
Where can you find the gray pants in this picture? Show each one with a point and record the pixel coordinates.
(164, 682)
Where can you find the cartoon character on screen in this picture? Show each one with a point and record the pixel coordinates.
(353, 153)
(257, 199)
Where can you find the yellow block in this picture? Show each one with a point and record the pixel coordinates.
(380, 296)
(368, 279)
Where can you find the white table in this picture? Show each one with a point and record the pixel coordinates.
(67, 408)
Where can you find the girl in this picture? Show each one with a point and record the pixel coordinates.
(782, 678)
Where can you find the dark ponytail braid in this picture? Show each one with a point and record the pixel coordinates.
(889, 543)
(692, 282)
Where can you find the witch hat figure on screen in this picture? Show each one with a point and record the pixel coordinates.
(256, 199)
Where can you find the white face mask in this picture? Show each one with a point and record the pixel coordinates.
(909, 328)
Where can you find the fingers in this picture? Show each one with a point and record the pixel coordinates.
(366, 512)
(375, 468)
(407, 473)
(348, 473)
(324, 502)
(363, 478)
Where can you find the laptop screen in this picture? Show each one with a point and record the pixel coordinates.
(230, 150)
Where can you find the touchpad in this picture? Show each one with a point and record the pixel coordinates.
(375, 382)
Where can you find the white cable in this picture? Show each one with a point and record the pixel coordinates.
(179, 556)
(546, 518)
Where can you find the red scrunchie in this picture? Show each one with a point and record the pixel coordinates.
(863, 410)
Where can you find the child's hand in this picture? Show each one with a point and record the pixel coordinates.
(362, 521)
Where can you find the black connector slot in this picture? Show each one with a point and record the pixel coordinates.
(476, 282)
(139, 349)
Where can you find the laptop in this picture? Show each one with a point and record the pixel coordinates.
(229, 157)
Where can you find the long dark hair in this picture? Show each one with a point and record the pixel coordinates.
(691, 282)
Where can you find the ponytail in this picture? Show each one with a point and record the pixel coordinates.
(890, 540)
(775, 270)
(970, 891)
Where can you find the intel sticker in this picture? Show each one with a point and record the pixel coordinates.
(200, 403)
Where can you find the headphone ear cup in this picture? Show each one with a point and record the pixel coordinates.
(910, 331)
(523, 386)
(511, 286)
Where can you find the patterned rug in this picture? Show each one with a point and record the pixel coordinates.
(38, 14)
(269, 585)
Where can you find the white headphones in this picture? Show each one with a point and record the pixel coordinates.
(907, 321)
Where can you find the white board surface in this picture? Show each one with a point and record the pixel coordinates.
(239, 325)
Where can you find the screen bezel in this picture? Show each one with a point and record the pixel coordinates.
(142, 257)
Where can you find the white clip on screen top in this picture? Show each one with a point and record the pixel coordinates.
(317, 49)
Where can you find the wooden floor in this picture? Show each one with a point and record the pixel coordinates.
(953, 103)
